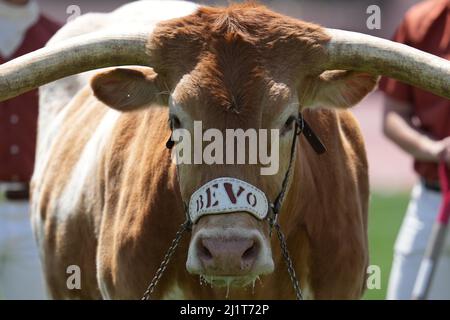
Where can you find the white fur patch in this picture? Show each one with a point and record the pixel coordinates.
(174, 293)
(224, 195)
(307, 293)
(86, 166)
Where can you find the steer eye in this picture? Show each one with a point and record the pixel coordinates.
(174, 122)
(288, 125)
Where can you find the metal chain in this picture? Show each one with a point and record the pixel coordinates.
(162, 267)
(299, 126)
(176, 241)
(272, 222)
(288, 260)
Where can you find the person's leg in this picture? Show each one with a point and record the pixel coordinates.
(440, 286)
(403, 274)
(412, 241)
(21, 274)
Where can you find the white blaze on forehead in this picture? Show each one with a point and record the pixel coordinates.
(225, 195)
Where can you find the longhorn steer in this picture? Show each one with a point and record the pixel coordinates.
(105, 193)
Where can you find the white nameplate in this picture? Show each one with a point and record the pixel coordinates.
(224, 195)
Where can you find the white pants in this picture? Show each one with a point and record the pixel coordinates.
(21, 274)
(410, 248)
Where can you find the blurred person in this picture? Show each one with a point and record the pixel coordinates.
(419, 123)
(22, 29)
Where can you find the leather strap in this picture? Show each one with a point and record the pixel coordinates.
(301, 126)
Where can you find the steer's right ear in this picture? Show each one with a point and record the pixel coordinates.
(126, 89)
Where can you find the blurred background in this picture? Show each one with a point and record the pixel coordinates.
(391, 171)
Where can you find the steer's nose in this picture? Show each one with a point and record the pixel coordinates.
(228, 256)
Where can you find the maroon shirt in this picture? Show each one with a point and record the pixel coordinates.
(18, 116)
(426, 26)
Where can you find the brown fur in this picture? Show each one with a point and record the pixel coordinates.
(242, 66)
(326, 229)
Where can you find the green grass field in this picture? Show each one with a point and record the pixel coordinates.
(385, 217)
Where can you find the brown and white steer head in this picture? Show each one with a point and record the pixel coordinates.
(242, 67)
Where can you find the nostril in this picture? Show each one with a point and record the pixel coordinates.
(203, 251)
(228, 254)
(251, 253)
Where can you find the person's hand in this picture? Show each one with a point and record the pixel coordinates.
(441, 150)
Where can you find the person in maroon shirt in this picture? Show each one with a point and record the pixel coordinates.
(22, 29)
(419, 123)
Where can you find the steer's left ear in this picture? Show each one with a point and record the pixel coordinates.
(126, 89)
(337, 89)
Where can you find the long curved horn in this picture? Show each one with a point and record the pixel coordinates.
(76, 55)
(356, 51)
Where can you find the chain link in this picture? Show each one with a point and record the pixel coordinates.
(162, 267)
(288, 260)
(176, 241)
(272, 222)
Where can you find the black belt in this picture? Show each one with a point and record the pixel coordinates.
(18, 193)
(432, 185)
